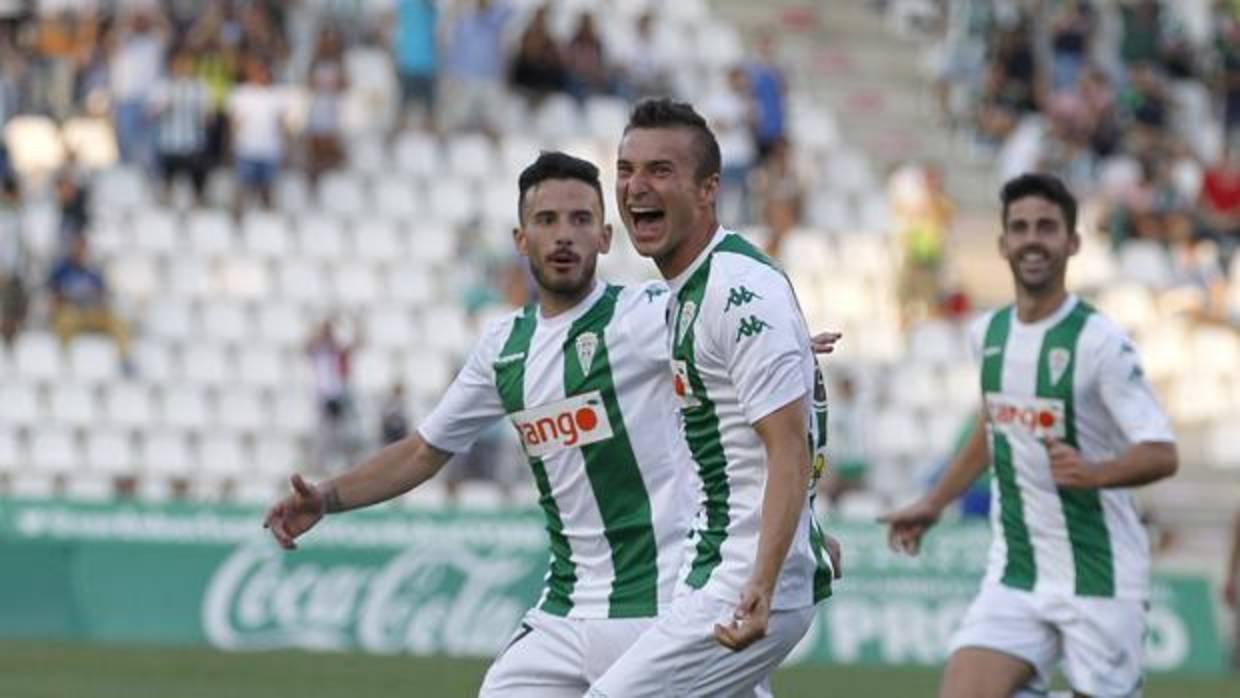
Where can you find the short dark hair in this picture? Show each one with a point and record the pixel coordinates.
(662, 112)
(556, 165)
(1048, 187)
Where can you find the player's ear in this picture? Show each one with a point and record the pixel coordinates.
(1001, 241)
(708, 190)
(520, 241)
(1074, 243)
(605, 243)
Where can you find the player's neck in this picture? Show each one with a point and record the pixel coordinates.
(683, 255)
(1032, 307)
(551, 304)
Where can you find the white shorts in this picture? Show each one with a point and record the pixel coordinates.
(1100, 641)
(679, 655)
(553, 656)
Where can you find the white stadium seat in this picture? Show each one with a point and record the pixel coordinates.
(391, 327)
(320, 236)
(167, 453)
(372, 370)
(210, 232)
(134, 276)
(433, 246)
(302, 281)
(34, 144)
(190, 278)
(110, 452)
(397, 198)
(205, 364)
(377, 241)
(450, 200)
(446, 328)
(128, 405)
(295, 411)
(185, 407)
(41, 228)
(471, 155)
(418, 153)
(12, 451)
(89, 487)
(260, 367)
(277, 455)
(170, 320)
(240, 410)
(38, 355)
(94, 359)
(73, 405)
(427, 373)
(154, 360)
(54, 450)
(902, 434)
(265, 234)
(244, 278)
(342, 193)
(355, 284)
(156, 231)
(292, 192)
(226, 322)
(409, 285)
(223, 455)
(281, 324)
(154, 489)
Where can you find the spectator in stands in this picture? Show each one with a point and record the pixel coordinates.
(1231, 586)
(258, 111)
(1072, 28)
(1148, 107)
(922, 213)
(538, 68)
(1218, 208)
(781, 190)
(180, 105)
(374, 92)
(335, 444)
(14, 261)
(73, 199)
(767, 86)
(81, 300)
(731, 111)
(217, 63)
(646, 65)
(136, 64)
(324, 120)
(1141, 39)
(1227, 52)
(63, 39)
(1101, 118)
(962, 55)
(1010, 91)
(393, 416)
(474, 67)
(414, 48)
(586, 61)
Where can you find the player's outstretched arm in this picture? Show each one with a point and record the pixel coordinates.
(906, 526)
(788, 473)
(1141, 464)
(392, 471)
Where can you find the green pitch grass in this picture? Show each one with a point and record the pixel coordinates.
(47, 670)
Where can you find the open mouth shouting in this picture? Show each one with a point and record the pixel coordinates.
(647, 222)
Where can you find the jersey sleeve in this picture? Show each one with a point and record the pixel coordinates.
(1127, 393)
(470, 405)
(759, 333)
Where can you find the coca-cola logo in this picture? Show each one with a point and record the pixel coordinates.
(453, 601)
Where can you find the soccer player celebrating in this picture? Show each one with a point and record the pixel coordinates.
(583, 375)
(1069, 423)
(753, 408)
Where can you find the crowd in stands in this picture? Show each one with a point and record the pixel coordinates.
(1135, 102)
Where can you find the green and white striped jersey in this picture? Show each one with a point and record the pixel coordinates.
(590, 396)
(740, 351)
(1074, 377)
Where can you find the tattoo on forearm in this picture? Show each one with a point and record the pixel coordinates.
(331, 500)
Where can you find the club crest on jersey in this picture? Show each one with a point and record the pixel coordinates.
(1057, 360)
(587, 343)
(682, 387)
(687, 312)
(570, 423)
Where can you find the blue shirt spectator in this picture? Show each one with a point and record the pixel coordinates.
(415, 37)
(74, 281)
(476, 50)
(766, 83)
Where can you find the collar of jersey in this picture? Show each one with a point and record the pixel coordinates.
(1060, 313)
(577, 310)
(675, 284)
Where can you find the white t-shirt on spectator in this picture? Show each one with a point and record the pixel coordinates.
(728, 114)
(258, 112)
(136, 66)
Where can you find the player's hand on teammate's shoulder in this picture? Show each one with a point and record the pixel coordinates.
(749, 622)
(1068, 468)
(296, 513)
(906, 526)
(824, 342)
